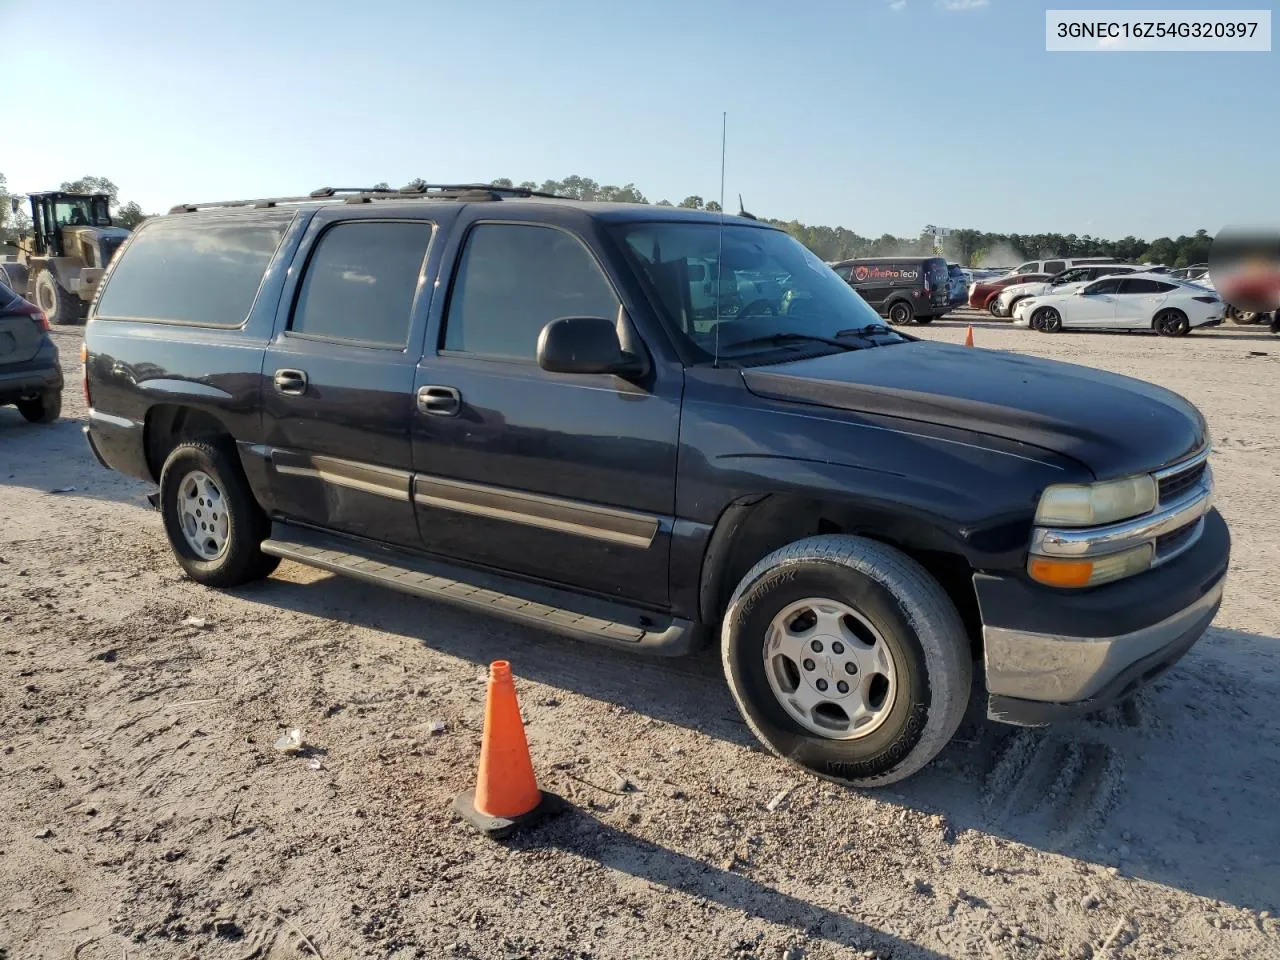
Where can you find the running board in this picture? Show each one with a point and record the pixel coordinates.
(547, 608)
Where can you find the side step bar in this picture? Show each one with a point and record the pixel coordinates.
(533, 604)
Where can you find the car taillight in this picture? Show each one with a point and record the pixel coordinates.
(1206, 299)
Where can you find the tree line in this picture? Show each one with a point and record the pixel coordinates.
(969, 247)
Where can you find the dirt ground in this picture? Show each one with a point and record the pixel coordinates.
(145, 814)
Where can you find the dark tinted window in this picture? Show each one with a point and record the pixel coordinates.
(1143, 285)
(513, 280)
(1106, 285)
(1053, 266)
(360, 283)
(193, 270)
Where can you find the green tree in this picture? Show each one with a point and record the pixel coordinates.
(712, 206)
(129, 215)
(92, 185)
(381, 185)
(692, 202)
(502, 182)
(663, 203)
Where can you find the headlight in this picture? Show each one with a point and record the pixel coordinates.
(1089, 505)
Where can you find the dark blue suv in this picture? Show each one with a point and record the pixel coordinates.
(515, 403)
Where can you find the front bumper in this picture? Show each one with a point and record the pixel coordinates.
(1052, 654)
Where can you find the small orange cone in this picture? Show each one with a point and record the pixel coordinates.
(506, 796)
(968, 336)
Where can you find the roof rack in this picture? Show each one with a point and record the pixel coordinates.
(433, 191)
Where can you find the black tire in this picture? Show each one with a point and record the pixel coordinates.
(240, 560)
(993, 307)
(45, 408)
(916, 620)
(59, 306)
(1050, 320)
(901, 313)
(1242, 317)
(1171, 323)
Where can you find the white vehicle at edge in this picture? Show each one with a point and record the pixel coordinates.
(1137, 301)
(1068, 281)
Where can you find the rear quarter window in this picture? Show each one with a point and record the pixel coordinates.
(203, 271)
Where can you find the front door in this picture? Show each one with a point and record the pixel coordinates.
(563, 478)
(338, 377)
(1094, 305)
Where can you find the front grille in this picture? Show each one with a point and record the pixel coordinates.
(1175, 485)
(1175, 540)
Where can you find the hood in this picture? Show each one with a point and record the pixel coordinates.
(1114, 425)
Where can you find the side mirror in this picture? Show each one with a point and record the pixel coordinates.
(1080, 291)
(585, 345)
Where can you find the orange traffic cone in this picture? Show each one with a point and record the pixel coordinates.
(968, 336)
(506, 795)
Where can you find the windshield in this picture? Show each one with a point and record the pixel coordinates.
(769, 284)
(80, 213)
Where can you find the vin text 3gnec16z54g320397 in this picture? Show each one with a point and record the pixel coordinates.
(534, 408)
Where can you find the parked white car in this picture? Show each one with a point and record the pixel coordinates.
(1065, 282)
(1138, 301)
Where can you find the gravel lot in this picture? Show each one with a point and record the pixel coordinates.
(144, 813)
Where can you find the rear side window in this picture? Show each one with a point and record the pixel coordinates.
(360, 283)
(1143, 285)
(193, 271)
(514, 279)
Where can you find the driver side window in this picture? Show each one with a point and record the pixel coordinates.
(514, 279)
(1109, 285)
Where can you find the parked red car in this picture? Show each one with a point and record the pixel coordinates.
(983, 294)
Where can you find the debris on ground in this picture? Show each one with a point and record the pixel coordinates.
(290, 741)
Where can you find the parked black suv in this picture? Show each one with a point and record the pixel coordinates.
(508, 402)
(30, 375)
(903, 289)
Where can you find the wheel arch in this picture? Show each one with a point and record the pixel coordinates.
(753, 527)
(169, 424)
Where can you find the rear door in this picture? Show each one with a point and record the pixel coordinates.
(1093, 305)
(20, 329)
(1138, 301)
(338, 378)
(564, 478)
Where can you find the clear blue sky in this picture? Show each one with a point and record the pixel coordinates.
(880, 116)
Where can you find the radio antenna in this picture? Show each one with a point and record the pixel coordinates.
(724, 128)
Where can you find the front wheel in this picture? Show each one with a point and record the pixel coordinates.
(59, 306)
(1047, 320)
(214, 525)
(45, 408)
(993, 307)
(901, 314)
(1171, 323)
(846, 657)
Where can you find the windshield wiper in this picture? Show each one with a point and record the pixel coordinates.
(868, 329)
(790, 337)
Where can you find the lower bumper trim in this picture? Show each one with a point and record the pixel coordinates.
(1040, 713)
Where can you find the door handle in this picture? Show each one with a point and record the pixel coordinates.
(291, 382)
(439, 401)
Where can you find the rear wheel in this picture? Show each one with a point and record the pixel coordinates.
(59, 306)
(901, 314)
(846, 657)
(1236, 315)
(1047, 320)
(1171, 323)
(45, 408)
(213, 523)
